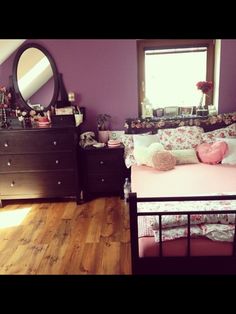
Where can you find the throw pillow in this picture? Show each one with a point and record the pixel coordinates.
(185, 156)
(184, 137)
(210, 137)
(230, 156)
(143, 155)
(212, 153)
(144, 140)
(163, 161)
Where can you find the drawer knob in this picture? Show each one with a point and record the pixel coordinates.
(101, 162)
(5, 144)
(54, 143)
(57, 161)
(12, 184)
(9, 163)
(103, 180)
(59, 182)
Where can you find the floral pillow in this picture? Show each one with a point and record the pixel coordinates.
(210, 137)
(127, 140)
(184, 137)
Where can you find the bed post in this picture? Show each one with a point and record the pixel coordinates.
(133, 231)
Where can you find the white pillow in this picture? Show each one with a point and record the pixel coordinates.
(230, 156)
(144, 140)
(185, 156)
(143, 155)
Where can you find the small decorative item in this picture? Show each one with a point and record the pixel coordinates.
(27, 117)
(103, 123)
(147, 109)
(171, 111)
(159, 112)
(5, 98)
(205, 87)
(186, 111)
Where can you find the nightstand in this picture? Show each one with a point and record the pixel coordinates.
(103, 171)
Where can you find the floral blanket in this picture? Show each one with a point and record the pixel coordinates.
(218, 227)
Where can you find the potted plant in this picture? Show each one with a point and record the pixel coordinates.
(103, 124)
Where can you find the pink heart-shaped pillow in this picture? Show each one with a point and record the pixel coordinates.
(212, 153)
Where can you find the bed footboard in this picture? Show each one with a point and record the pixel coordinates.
(178, 264)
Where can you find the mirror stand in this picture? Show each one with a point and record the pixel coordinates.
(62, 100)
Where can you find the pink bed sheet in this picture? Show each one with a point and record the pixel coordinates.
(191, 179)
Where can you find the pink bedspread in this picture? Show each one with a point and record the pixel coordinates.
(191, 179)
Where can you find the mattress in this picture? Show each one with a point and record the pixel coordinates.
(183, 180)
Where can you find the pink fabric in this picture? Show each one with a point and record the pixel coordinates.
(178, 247)
(212, 153)
(189, 179)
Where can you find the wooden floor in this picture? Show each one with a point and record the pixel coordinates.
(66, 238)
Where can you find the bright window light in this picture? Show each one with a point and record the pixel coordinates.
(13, 218)
(171, 76)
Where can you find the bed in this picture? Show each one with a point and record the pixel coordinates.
(182, 221)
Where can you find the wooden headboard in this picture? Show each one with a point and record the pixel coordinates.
(210, 123)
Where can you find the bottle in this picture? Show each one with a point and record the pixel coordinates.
(127, 189)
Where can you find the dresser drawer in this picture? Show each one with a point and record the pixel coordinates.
(103, 183)
(100, 162)
(39, 162)
(49, 184)
(36, 141)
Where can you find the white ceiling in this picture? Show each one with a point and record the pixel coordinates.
(7, 47)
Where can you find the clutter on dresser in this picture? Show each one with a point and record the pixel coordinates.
(103, 125)
(113, 143)
(87, 139)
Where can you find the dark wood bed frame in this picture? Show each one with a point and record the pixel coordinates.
(178, 264)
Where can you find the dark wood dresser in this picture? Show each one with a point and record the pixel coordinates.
(103, 171)
(39, 163)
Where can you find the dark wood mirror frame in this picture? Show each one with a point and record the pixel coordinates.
(56, 76)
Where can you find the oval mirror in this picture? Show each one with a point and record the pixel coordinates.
(35, 77)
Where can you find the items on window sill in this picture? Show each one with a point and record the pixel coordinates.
(147, 109)
(212, 110)
(202, 112)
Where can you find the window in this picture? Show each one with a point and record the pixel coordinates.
(168, 71)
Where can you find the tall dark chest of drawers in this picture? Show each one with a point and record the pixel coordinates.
(104, 171)
(39, 163)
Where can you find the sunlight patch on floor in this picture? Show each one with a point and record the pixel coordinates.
(13, 218)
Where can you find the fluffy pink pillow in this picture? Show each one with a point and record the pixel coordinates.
(163, 160)
(212, 153)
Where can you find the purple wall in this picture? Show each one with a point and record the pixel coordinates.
(227, 87)
(104, 73)
(6, 70)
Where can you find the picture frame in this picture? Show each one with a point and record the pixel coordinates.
(159, 112)
(171, 111)
(186, 111)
